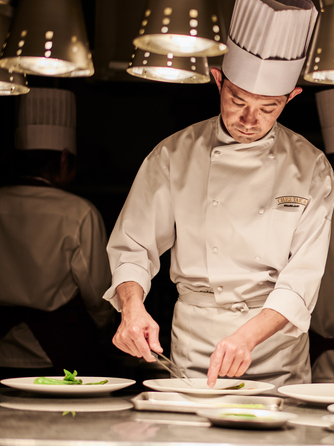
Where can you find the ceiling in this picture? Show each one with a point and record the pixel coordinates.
(113, 24)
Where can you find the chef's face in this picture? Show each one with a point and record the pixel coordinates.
(248, 117)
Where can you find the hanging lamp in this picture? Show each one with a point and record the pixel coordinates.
(169, 68)
(182, 27)
(320, 62)
(10, 83)
(48, 38)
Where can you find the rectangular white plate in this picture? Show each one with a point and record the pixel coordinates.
(177, 402)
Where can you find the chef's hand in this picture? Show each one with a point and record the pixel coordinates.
(232, 357)
(137, 333)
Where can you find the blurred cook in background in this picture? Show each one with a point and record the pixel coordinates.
(53, 263)
(322, 322)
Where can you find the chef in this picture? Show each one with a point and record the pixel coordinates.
(53, 263)
(322, 321)
(244, 204)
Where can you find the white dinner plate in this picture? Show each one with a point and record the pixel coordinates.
(103, 403)
(201, 387)
(246, 418)
(312, 393)
(112, 385)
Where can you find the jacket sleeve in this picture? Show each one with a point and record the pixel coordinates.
(297, 287)
(145, 227)
(90, 267)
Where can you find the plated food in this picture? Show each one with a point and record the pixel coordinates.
(68, 379)
(222, 387)
(28, 384)
(246, 418)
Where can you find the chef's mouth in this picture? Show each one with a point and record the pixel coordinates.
(247, 133)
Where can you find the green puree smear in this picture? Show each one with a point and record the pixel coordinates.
(245, 416)
(69, 379)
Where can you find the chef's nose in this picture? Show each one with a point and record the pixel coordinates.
(249, 116)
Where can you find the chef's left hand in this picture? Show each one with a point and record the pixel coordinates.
(232, 357)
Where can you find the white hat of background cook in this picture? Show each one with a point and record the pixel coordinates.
(47, 120)
(267, 44)
(325, 106)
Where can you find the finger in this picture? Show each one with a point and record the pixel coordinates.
(152, 337)
(216, 360)
(141, 341)
(121, 342)
(243, 367)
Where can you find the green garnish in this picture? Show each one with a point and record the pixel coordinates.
(239, 386)
(101, 382)
(69, 379)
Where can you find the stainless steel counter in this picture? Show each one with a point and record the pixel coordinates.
(112, 421)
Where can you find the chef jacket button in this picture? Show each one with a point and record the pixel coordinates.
(257, 258)
(217, 152)
(271, 155)
(219, 289)
(215, 202)
(215, 250)
(260, 283)
(261, 211)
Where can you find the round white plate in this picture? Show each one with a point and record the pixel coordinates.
(40, 404)
(201, 387)
(246, 418)
(313, 393)
(112, 385)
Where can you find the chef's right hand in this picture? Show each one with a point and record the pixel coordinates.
(137, 333)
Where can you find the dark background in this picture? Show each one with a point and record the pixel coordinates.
(121, 118)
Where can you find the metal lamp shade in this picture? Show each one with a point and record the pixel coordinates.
(47, 38)
(182, 27)
(320, 61)
(168, 68)
(10, 83)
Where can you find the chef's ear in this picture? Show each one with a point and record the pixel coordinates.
(218, 76)
(294, 93)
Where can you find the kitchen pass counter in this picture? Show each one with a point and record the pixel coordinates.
(112, 420)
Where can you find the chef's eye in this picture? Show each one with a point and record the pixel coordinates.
(267, 112)
(238, 104)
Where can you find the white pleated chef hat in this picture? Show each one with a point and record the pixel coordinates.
(267, 44)
(47, 120)
(325, 106)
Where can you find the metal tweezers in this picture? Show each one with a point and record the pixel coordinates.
(172, 368)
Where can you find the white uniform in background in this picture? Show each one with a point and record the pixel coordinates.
(248, 227)
(52, 247)
(52, 242)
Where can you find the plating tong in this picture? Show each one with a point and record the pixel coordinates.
(171, 367)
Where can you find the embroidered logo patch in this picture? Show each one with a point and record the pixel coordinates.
(291, 201)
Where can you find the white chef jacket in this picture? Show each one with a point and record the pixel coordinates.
(52, 247)
(244, 222)
(322, 320)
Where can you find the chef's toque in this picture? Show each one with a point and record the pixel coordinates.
(325, 106)
(47, 120)
(267, 44)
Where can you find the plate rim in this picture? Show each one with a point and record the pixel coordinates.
(190, 390)
(280, 417)
(14, 383)
(306, 397)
